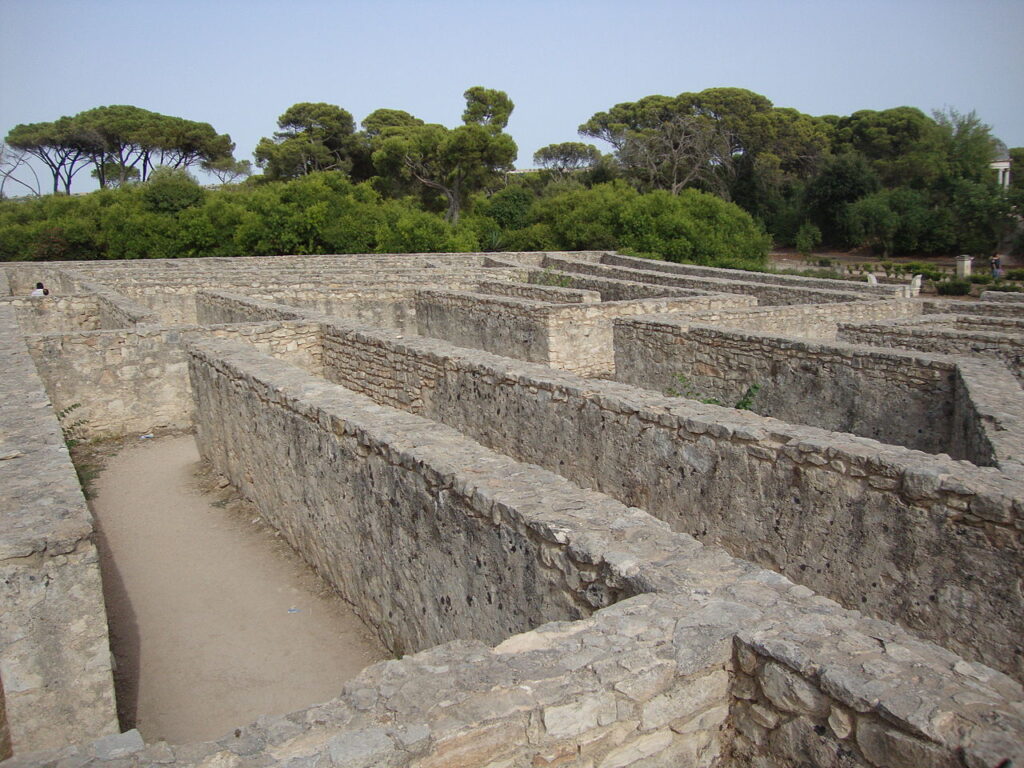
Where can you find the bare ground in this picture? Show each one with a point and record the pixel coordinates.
(214, 620)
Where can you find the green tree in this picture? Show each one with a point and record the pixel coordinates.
(227, 170)
(380, 119)
(312, 137)
(170, 190)
(567, 157)
(842, 180)
(62, 146)
(968, 144)
(902, 144)
(487, 107)
(454, 162)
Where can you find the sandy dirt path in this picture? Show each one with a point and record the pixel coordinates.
(213, 620)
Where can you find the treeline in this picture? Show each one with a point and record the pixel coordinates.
(712, 177)
(120, 144)
(896, 180)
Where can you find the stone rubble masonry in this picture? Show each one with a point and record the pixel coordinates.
(1003, 296)
(895, 397)
(995, 337)
(843, 514)
(52, 314)
(135, 381)
(794, 281)
(572, 337)
(638, 645)
(548, 293)
(718, 662)
(989, 410)
(54, 653)
(813, 321)
(765, 293)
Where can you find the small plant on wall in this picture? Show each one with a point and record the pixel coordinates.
(684, 388)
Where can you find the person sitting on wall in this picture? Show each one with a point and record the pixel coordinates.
(39, 290)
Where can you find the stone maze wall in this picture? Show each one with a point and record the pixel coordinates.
(54, 652)
(1000, 338)
(564, 573)
(894, 397)
(573, 337)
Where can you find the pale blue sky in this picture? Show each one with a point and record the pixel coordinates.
(238, 65)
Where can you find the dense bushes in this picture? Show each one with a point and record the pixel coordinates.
(171, 216)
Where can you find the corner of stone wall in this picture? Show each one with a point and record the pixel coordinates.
(989, 415)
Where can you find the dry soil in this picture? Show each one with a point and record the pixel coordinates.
(214, 621)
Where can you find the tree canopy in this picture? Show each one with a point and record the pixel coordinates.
(120, 142)
(452, 161)
(312, 137)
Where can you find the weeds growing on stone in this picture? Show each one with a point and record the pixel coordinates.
(686, 389)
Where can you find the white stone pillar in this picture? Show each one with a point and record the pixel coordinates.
(963, 266)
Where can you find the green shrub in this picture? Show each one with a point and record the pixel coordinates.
(1015, 274)
(1005, 288)
(953, 287)
(981, 279)
(808, 237)
(926, 270)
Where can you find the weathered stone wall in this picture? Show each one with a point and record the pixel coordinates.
(611, 289)
(345, 480)
(723, 664)
(796, 281)
(989, 416)
(1004, 297)
(958, 335)
(902, 535)
(982, 308)
(22, 278)
(174, 305)
(547, 293)
(217, 308)
(46, 314)
(765, 293)
(572, 337)
(383, 308)
(127, 382)
(719, 664)
(814, 321)
(54, 654)
(892, 397)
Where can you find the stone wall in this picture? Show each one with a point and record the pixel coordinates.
(956, 336)
(795, 281)
(46, 314)
(983, 308)
(548, 293)
(814, 321)
(720, 663)
(765, 293)
(989, 416)
(174, 305)
(217, 308)
(344, 479)
(893, 397)
(22, 278)
(1003, 296)
(134, 381)
(572, 337)
(904, 536)
(54, 654)
(611, 289)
